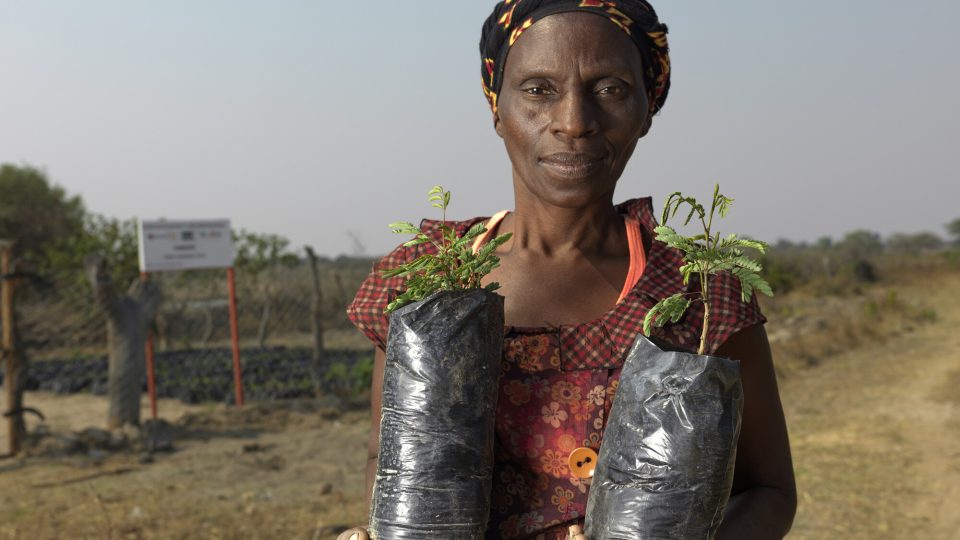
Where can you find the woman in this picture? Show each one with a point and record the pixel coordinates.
(573, 86)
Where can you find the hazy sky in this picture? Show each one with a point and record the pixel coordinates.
(326, 120)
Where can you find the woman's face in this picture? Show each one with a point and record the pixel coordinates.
(571, 108)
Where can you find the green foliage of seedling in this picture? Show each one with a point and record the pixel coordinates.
(453, 267)
(705, 254)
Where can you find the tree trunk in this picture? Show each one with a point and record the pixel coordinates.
(207, 327)
(316, 310)
(264, 321)
(128, 319)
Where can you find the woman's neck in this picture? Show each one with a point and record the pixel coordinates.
(550, 230)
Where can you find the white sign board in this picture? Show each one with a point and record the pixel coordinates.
(185, 245)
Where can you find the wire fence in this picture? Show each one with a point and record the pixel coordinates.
(63, 338)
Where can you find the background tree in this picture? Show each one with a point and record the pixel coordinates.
(858, 251)
(953, 229)
(114, 240)
(914, 243)
(35, 213)
(860, 244)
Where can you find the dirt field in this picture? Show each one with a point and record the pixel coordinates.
(875, 434)
(270, 471)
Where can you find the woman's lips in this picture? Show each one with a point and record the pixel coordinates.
(572, 165)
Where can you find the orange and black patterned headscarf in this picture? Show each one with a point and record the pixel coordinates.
(635, 17)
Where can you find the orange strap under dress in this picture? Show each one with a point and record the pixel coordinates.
(638, 258)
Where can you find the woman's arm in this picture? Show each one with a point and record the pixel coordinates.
(764, 496)
(373, 444)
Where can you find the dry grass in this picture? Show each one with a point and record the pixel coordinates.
(874, 427)
(807, 328)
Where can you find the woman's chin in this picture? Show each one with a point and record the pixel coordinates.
(579, 192)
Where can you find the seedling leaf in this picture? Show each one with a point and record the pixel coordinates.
(705, 254)
(453, 267)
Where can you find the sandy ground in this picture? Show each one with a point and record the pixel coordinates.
(260, 473)
(875, 434)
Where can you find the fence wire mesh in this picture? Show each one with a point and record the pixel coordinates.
(64, 342)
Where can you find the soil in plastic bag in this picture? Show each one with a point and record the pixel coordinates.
(434, 471)
(666, 462)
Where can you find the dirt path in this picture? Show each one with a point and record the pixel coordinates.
(876, 436)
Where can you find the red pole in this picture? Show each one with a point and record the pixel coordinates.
(151, 372)
(235, 336)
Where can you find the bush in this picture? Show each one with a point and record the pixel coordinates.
(348, 381)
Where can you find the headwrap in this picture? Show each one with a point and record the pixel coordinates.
(510, 18)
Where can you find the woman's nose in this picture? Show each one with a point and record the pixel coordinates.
(574, 116)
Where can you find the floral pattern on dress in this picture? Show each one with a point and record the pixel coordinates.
(560, 411)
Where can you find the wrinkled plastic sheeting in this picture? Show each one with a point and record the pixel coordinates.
(435, 468)
(666, 462)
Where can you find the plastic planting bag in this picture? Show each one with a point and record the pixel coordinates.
(435, 468)
(666, 462)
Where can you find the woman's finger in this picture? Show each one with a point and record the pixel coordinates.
(354, 534)
(575, 532)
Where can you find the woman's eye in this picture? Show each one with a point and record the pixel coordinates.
(536, 90)
(611, 87)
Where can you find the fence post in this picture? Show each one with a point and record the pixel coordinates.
(316, 308)
(151, 366)
(235, 336)
(8, 346)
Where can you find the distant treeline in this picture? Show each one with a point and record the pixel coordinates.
(858, 257)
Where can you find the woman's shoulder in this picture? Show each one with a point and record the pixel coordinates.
(640, 209)
(433, 226)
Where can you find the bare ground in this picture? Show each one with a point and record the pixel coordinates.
(266, 472)
(875, 434)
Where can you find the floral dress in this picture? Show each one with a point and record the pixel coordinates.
(557, 383)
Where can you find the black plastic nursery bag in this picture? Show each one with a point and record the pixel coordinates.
(666, 462)
(434, 472)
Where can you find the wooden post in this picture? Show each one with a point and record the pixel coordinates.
(151, 367)
(316, 307)
(8, 346)
(235, 336)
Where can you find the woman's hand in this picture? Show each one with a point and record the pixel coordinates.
(356, 533)
(576, 533)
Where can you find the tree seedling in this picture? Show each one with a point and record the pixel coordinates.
(454, 266)
(705, 255)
